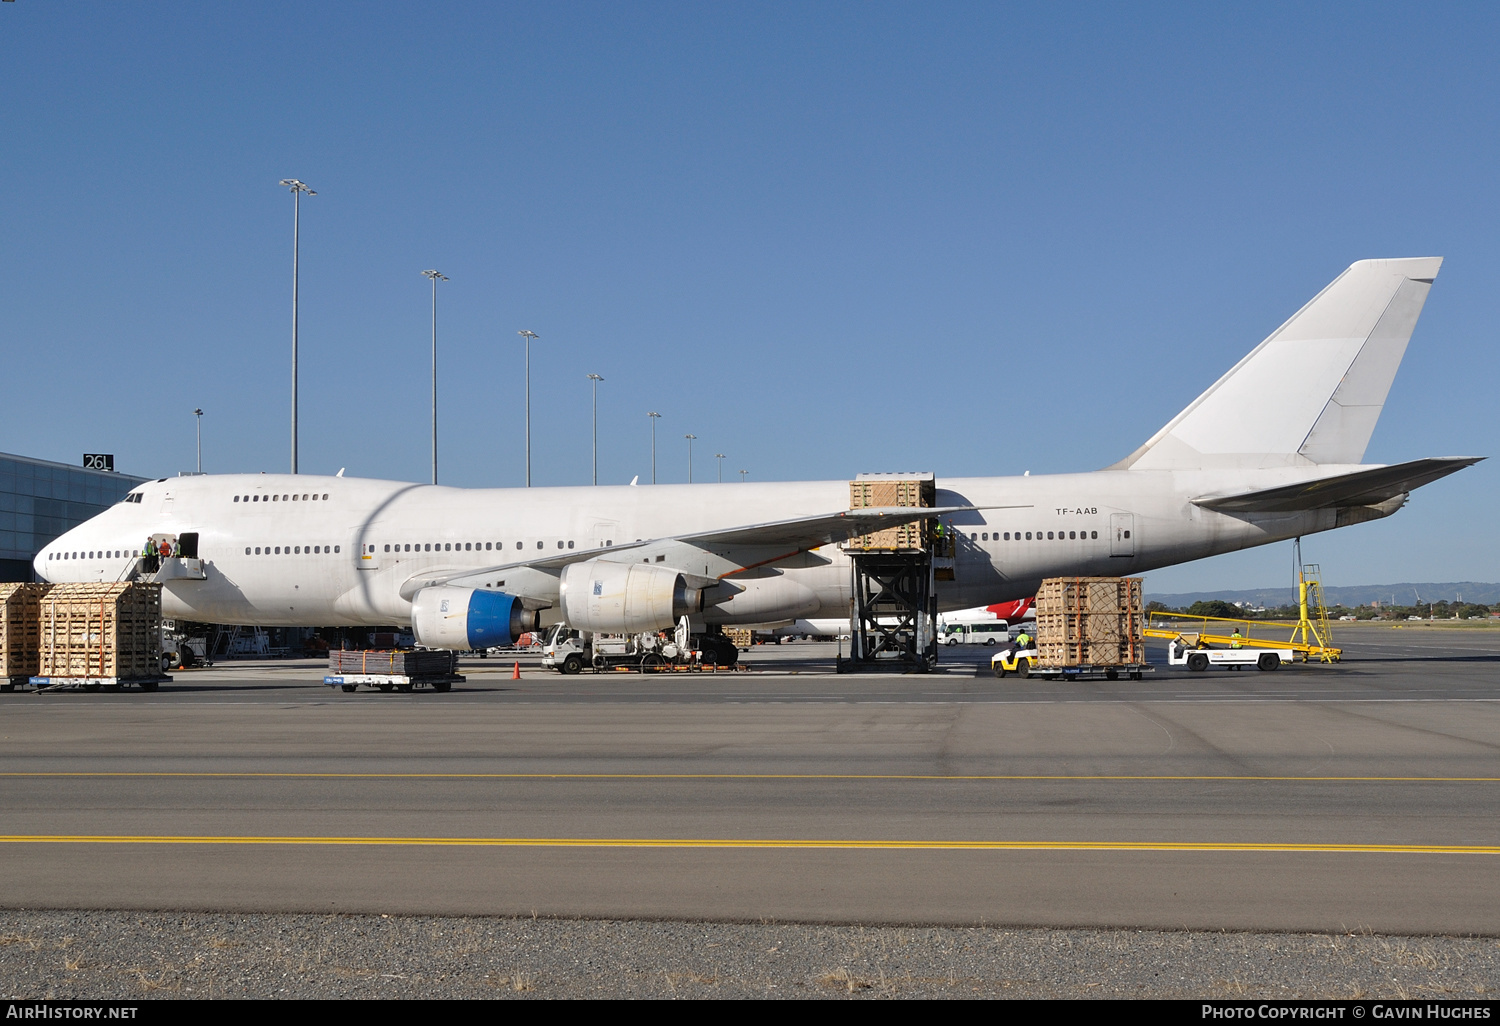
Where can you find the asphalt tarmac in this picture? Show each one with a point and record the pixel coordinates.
(1361, 796)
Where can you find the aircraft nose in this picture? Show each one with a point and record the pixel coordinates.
(39, 564)
(43, 563)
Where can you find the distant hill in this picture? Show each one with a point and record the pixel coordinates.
(1353, 595)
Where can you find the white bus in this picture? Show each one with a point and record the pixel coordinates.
(988, 632)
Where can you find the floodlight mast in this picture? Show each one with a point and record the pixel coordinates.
(297, 189)
(198, 415)
(436, 277)
(528, 336)
(690, 456)
(654, 418)
(594, 379)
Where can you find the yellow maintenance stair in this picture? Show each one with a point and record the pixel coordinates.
(1312, 634)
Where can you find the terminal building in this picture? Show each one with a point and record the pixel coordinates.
(40, 500)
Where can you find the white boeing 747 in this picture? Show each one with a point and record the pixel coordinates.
(1270, 451)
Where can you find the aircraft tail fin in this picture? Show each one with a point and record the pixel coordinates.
(1312, 391)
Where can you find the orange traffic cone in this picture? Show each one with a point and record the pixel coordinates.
(516, 673)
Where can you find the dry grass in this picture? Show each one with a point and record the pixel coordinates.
(843, 979)
(160, 983)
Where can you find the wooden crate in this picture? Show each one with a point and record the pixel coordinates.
(1089, 621)
(21, 629)
(873, 491)
(101, 630)
(741, 636)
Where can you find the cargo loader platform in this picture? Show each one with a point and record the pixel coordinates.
(893, 607)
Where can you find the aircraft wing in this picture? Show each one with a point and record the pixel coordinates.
(810, 532)
(789, 536)
(1361, 488)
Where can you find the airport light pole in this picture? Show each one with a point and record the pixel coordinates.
(594, 379)
(742, 476)
(720, 457)
(654, 418)
(690, 456)
(297, 189)
(436, 277)
(528, 336)
(198, 414)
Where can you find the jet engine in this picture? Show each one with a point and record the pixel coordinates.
(459, 619)
(625, 598)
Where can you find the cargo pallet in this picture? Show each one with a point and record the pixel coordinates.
(391, 681)
(98, 683)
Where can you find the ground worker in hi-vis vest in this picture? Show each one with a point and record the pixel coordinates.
(1236, 640)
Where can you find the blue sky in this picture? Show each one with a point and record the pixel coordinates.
(975, 239)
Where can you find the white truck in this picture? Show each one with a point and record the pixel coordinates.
(1183, 653)
(570, 651)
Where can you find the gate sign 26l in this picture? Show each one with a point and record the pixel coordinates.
(99, 461)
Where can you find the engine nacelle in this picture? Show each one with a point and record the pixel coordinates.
(759, 600)
(459, 619)
(624, 598)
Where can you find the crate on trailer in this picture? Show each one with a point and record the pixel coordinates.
(101, 630)
(393, 662)
(21, 629)
(742, 637)
(1089, 621)
(880, 491)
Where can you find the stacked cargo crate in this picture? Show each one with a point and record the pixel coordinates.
(1089, 621)
(20, 631)
(101, 631)
(876, 491)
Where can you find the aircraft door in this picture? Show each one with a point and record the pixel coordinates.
(603, 532)
(1122, 534)
(369, 557)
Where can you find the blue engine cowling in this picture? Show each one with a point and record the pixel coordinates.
(460, 619)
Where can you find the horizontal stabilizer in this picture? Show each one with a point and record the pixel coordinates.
(1361, 488)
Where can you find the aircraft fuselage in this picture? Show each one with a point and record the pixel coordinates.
(275, 555)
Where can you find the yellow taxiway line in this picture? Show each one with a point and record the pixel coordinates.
(771, 843)
(1146, 778)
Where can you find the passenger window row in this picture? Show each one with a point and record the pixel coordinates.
(464, 546)
(290, 550)
(1061, 535)
(280, 498)
(99, 554)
